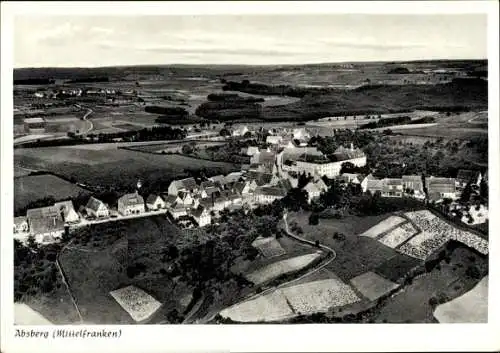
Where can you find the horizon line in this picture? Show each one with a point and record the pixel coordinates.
(249, 65)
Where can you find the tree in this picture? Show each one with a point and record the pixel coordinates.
(466, 193)
(313, 219)
(483, 190)
(187, 149)
(316, 243)
(224, 132)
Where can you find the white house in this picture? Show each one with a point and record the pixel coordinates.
(414, 185)
(364, 182)
(96, 208)
(155, 202)
(351, 178)
(202, 216)
(185, 198)
(440, 188)
(68, 211)
(268, 194)
(314, 189)
(131, 204)
(188, 184)
(252, 150)
(46, 224)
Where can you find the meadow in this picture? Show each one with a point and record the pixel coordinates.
(35, 187)
(116, 168)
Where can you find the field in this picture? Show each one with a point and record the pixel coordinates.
(113, 167)
(355, 254)
(372, 286)
(291, 301)
(383, 226)
(443, 283)
(472, 307)
(31, 188)
(279, 268)
(398, 235)
(136, 302)
(435, 232)
(269, 247)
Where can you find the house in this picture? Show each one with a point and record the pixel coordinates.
(21, 225)
(155, 202)
(232, 177)
(131, 204)
(285, 184)
(354, 155)
(268, 194)
(300, 134)
(208, 192)
(96, 208)
(259, 178)
(251, 151)
(242, 187)
(440, 188)
(241, 131)
(273, 140)
(45, 223)
(412, 184)
(392, 187)
(68, 211)
(364, 182)
(202, 216)
(351, 178)
(185, 198)
(168, 200)
(313, 191)
(219, 180)
(177, 210)
(374, 185)
(264, 159)
(286, 143)
(465, 176)
(188, 184)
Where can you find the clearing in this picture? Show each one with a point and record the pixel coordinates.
(268, 247)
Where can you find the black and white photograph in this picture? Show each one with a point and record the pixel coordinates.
(249, 169)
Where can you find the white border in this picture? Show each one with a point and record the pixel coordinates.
(249, 338)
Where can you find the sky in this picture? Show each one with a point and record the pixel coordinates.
(91, 41)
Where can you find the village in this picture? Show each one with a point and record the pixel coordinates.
(271, 174)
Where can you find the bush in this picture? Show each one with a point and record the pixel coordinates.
(433, 301)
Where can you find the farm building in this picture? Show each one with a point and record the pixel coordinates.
(45, 223)
(188, 184)
(440, 188)
(155, 202)
(392, 187)
(202, 216)
(35, 125)
(169, 200)
(20, 225)
(184, 198)
(131, 204)
(68, 211)
(465, 176)
(96, 208)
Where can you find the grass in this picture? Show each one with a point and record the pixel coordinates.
(372, 286)
(396, 267)
(113, 167)
(31, 188)
(445, 282)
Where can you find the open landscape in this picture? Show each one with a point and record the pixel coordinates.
(315, 191)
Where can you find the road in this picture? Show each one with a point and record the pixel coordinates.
(89, 111)
(331, 257)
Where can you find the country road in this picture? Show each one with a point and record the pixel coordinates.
(89, 111)
(313, 270)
